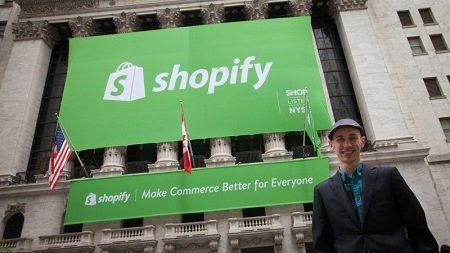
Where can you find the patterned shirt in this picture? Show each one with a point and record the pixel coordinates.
(353, 185)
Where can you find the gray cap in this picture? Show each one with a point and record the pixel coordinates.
(344, 123)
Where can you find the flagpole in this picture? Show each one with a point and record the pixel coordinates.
(304, 118)
(70, 144)
(187, 132)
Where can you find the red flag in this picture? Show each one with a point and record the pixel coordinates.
(58, 158)
(185, 141)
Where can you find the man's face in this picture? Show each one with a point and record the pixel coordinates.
(347, 143)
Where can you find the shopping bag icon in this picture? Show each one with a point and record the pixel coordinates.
(126, 84)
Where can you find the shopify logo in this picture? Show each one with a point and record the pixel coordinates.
(126, 84)
(92, 200)
(215, 77)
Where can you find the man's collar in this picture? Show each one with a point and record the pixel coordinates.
(344, 175)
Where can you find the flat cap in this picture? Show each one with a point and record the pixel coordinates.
(345, 123)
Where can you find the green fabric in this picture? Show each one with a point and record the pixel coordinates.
(234, 79)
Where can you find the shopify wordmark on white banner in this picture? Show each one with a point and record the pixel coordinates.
(215, 77)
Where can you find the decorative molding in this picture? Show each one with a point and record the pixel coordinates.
(300, 7)
(234, 242)
(169, 18)
(82, 26)
(169, 248)
(278, 241)
(126, 22)
(257, 9)
(214, 245)
(14, 208)
(213, 14)
(35, 31)
(54, 6)
(336, 6)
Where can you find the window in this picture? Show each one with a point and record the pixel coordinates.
(427, 16)
(405, 18)
(267, 249)
(2, 28)
(13, 227)
(132, 223)
(433, 88)
(445, 123)
(438, 42)
(192, 217)
(416, 46)
(253, 212)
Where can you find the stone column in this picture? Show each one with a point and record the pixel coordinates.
(256, 9)
(382, 115)
(67, 171)
(114, 159)
(220, 153)
(126, 22)
(21, 93)
(275, 148)
(213, 14)
(169, 18)
(166, 157)
(300, 7)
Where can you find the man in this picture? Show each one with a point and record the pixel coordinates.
(365, 209)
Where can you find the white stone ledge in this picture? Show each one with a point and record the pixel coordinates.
(439, 158)
(389, 157)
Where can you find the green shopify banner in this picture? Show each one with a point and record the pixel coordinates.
(205, 190)
(234, 79)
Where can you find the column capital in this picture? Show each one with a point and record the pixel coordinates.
(36, 30)
(336, 6)
(126, 22)
(169, 18)
(82, 26)
(257, 9)
(300, 7)
(54, 6)
(213, 13)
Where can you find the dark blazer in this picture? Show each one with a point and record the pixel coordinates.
(393, 219)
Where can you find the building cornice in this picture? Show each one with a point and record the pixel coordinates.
(55, 6)
(337, 6)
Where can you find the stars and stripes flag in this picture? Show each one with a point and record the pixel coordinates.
(59, 155)
(187, 164)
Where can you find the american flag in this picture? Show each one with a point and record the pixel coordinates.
(185, 141)
(58, 157)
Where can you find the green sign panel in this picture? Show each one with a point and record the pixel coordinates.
(234, 79)
(205, 190)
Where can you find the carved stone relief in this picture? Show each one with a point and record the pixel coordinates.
(213, 14)
(35, 31)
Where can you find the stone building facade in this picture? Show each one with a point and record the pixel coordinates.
(385, 63)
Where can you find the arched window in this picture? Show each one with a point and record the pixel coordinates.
(13, 227)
